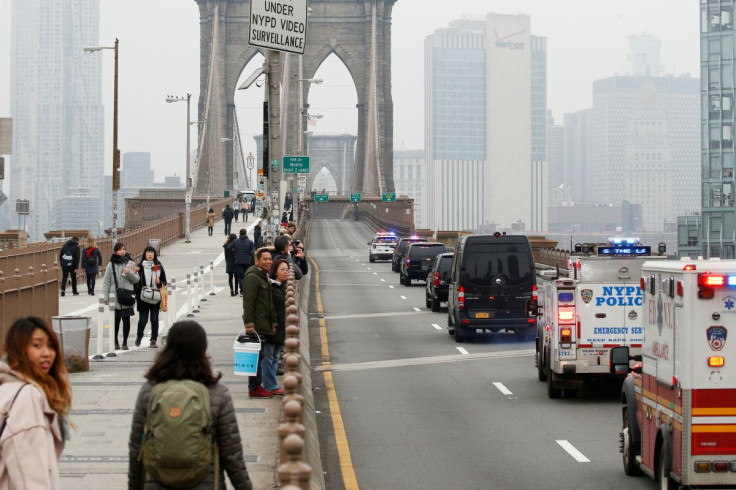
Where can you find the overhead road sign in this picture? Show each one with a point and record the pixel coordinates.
(355, 197)
(388, 197)
(280, 25)
(296, 165)
(321, 198)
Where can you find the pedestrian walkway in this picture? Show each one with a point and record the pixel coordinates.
(104, 397)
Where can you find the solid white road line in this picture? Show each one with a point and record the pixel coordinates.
(436, 326)
(502, 388)
(462, 351)
(579, 457)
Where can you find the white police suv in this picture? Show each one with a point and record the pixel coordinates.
(382, 246)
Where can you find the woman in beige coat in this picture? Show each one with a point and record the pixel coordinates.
(210, 221)
(35, 395)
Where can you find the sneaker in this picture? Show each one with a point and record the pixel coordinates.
(278, 391)
(125, 347)
(153, 345)
(138, 341)
(63, 293)
(260, 392)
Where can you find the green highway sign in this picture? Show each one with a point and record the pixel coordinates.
(296, 165)
(321, 197)
(388, 197)
(355, 197)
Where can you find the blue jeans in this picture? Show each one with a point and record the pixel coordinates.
(269, 365)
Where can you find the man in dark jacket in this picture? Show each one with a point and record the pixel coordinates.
(242, 248)
(282, 244)
(259, 314)
(227, 216)
(69, 262)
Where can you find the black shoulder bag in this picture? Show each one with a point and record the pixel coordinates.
(125, 297)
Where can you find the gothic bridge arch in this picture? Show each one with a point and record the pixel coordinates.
(357, 31)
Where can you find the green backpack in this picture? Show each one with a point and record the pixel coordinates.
(178, 437)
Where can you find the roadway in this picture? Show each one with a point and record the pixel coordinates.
(419, 410)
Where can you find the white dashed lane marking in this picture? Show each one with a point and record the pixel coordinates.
(416, 309)
(462, 351)
(402, 297)
(436, 326)
(502, 388)
(579, 457)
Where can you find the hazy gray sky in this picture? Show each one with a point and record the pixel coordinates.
(159, 55)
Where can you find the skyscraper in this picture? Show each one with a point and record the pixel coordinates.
(485, 129)
(56, 108)
(718, 225)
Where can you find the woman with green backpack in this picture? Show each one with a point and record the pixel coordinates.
(184, 430)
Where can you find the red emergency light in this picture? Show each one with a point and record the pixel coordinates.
(711, 280)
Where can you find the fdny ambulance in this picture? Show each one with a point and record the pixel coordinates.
(596, 308)
(679, 403)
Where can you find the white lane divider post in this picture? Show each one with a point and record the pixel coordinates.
(201, 280)
(111, 318)
(100, 329)
(171, 290)
(212, 278)
(189, 296)
(196, 291)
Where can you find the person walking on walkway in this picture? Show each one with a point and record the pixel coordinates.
(259, 316)
(227, 217)
(243, 248)
(121, 273)
(69, 262)
(91, 262)
(257, 238)
(181, 362)
(236, 209)
(230, 267)
(210, 221)
(245, 209)
(278, 275)
(151, 275)
(35, 398)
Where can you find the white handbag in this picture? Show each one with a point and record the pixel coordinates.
(150, 294)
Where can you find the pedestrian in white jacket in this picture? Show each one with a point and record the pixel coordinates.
(35, 399)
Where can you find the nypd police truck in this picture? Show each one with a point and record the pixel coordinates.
(679, 402)
(596, 308)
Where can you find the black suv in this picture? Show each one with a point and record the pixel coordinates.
(438, 283)
(418, 261)
(400, 250)
(492, 287)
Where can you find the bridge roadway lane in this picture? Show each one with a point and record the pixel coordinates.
(419, 413)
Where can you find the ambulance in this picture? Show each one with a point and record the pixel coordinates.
(679, 403)
(597, 307)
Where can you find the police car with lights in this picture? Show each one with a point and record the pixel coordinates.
(382, 246)
(679, 403)
(597, 307)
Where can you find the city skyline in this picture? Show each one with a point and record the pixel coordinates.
(594, 43)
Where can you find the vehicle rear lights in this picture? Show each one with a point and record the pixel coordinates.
(689, 267)
(436, 280)
(679, 288)
(408, 261)
(531, 320)
(706, 293)
(702, 467)
(711, 280)
(534, 292)
(716, 361)
(566, 315)
(643, 284)
(565, 297)
(720, 466)
(461, 298)
(566, 334)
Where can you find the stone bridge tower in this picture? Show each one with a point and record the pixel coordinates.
(358, 32)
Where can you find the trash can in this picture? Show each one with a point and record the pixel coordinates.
(156, 244)
(73, 333)
(226, 194)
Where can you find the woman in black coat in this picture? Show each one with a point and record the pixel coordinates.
(153, 275)
(230, 264)
(91, 262)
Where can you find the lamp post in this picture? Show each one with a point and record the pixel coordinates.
(250, 162)
(188, 178)
(115, 150)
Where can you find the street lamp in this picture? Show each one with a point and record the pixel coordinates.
(188, 176)
(115, 150)
(250, 163)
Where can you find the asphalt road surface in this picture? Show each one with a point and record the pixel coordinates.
(421, 411)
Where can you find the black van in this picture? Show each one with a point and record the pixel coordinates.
(492, 286)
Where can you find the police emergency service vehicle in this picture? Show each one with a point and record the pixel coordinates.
(679, 404)
(596, 308)
(382, 246)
